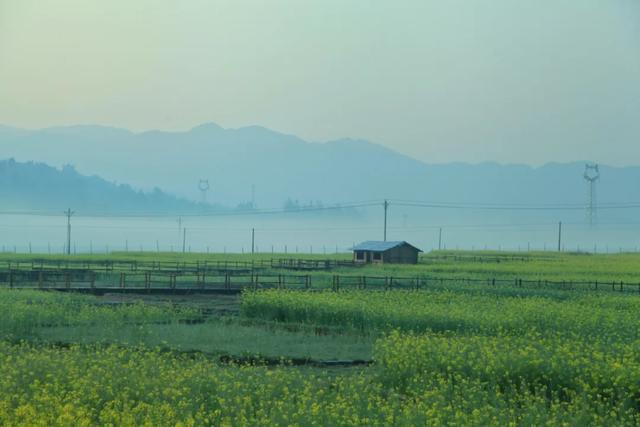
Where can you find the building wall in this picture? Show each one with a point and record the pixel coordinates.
(401, 255)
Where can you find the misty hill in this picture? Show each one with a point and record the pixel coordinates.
(37, 186)
(286, 167)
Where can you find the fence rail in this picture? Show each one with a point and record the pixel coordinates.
(82, 279)
(175, 267)
(497, 258)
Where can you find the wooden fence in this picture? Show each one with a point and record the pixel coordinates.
(177, 266)
(82, 279)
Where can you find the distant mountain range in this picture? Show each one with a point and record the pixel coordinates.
(283, 167)
(39, 187)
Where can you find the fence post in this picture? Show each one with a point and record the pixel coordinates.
(122, 279)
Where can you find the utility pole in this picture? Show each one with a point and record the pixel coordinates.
(559, 236)
(386, 207)
(253, 240)
(440, 239)
(69, 213)
(184, 239)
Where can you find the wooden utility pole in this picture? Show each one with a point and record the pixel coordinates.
(184, 239)
(386, 207)
(440, 239)
(560, 236)
(253, 240)
(69, 213)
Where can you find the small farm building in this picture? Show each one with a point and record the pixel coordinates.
(385, 252)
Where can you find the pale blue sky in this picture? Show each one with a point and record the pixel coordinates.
(525, 81)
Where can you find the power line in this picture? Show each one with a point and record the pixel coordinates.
(511, 207)
(339, 206)
(155, 214)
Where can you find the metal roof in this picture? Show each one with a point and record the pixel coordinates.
(378, 246)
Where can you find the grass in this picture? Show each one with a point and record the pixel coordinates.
(219, 337)
(68, 318)
(452, 311)
(25, 311)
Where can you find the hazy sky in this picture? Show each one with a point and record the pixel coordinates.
(507, 80)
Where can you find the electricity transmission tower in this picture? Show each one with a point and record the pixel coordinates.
(591, 175)
(203, 186)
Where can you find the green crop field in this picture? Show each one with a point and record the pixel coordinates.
(449, 352)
